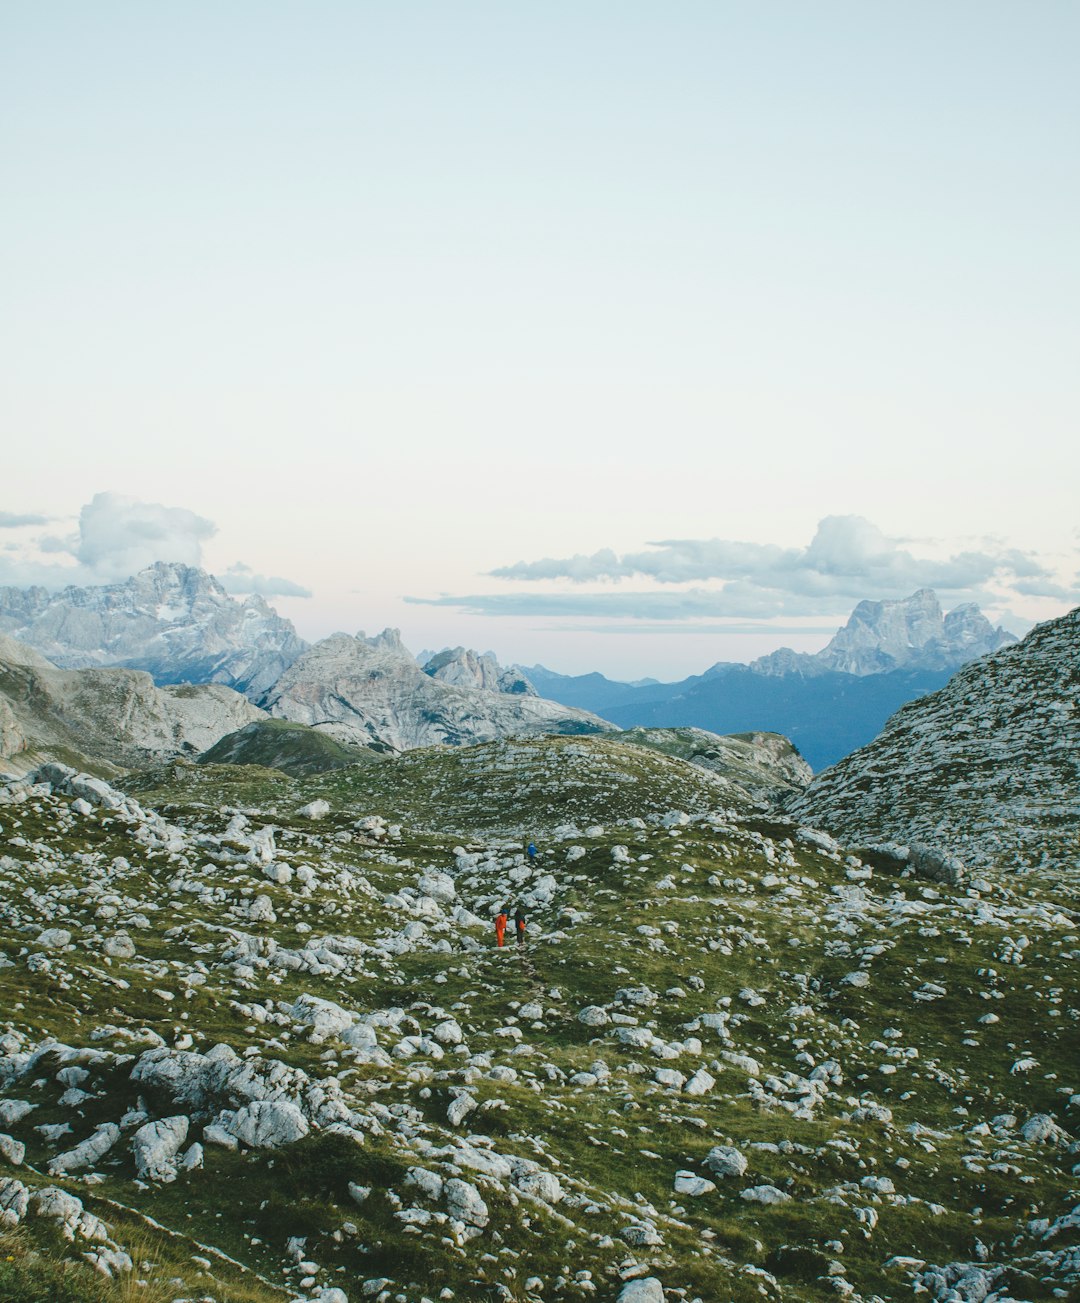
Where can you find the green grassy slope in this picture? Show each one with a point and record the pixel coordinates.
(842, 1015)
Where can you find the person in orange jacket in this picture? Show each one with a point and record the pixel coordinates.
(501, 919)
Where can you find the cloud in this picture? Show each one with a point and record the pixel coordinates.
(14, 520)
(240, 579)
(116, 537)
(848, 559)
(119, 535)
(848, 556)
(736, 601)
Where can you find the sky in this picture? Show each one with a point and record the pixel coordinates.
(607, 335)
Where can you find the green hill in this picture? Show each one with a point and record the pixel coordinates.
(729, 1057)
(295, 749)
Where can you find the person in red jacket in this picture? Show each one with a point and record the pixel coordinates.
(501, 919)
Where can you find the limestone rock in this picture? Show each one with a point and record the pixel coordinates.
(268, 1123)
(370, 690)
(725, 1160)
(155, 1147)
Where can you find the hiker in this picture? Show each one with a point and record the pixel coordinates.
(519, 924)
(501, 919)
(530, 850)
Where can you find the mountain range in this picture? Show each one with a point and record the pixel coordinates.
(371, 690)
(174, 621)
(178, 624)
(828, 703)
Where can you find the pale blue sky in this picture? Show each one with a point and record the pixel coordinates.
(398, 295)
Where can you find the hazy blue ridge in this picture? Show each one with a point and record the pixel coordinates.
(826, 716)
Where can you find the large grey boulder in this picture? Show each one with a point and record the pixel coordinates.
(155, 1147)
(88, 1153)
(646, 1290)
(464, 1202)
(268, 1124)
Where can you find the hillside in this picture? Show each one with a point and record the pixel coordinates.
(989, 766)
(765, 764)
(730, 1062)
(105, 718)
(276, 744)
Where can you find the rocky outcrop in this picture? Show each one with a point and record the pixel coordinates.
(114, 716)
(172, 620)
(911, 633)
(987, 768)
(370, 690)
(469, 669)
(764, 765)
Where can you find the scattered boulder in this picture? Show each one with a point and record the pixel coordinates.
(155, 1147)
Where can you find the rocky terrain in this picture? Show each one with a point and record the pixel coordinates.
(172, 620)
(258, 1043)
(105, 718)
(765, 765)
(989, 765)
(370, 690)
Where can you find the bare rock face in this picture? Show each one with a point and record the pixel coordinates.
(172, 620)
(986, 769)
(115, 716)
(469, 669)
(911, 633)
(371, 690)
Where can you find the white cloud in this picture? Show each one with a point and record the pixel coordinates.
(848, 559)
(738, 601)
(240, 579)
(16, 520)
(119, 535)
(848, 556)
(116, 536)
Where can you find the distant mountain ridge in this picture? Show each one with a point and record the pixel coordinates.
(989, 766)
(828, 703)
(909, 634)
(172, 620)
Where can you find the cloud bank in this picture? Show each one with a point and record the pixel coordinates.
(848, 555)
(16, 520)
(240, 579)
(117, 536)
(848, 559)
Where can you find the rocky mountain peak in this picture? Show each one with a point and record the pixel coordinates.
(471, 669)
(173, 620)
(370, 691)
(907, 633)
(389, 641)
